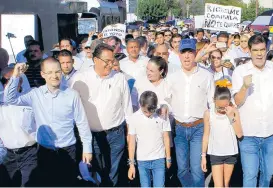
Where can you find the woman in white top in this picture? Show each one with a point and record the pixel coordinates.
(154, 80)
(217, 69)
(221, 125)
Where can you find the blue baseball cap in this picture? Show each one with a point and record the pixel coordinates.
(187, 44)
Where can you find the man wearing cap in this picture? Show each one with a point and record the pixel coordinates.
(67, 43)
(17, 131)
(190, 91)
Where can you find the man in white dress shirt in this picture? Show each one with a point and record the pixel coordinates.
(162, 51)
(106, 98)
(135, 64)
(174, 52)
(17, 131)
(190, 91)
(253, 94)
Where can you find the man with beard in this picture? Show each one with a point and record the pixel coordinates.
(34, 56)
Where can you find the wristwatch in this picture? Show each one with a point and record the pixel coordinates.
(169, 160)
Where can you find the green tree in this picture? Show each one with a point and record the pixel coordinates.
(249, 11)
(152, 9)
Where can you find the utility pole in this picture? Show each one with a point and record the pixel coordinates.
(257, 6)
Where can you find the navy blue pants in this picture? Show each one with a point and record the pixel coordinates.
(21, 167)
(58, 168)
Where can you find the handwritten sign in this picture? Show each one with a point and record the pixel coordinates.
(222, 18)
(118, 30)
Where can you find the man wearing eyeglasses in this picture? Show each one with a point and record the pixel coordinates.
(107, 101)
(56, 108)
(252, 89)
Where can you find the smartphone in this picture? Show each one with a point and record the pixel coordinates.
(221, 45)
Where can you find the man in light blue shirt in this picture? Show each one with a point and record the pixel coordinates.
(56, 109)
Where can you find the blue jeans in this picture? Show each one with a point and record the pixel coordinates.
(108, 148)
(157, 168)
(188, 147)
(257, 153)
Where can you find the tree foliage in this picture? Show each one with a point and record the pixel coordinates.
(152, 9)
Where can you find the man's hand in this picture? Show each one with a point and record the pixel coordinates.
(227, 64)
(168, 164)
(87, 158)
(19, 69)
(132, 172)
(247, 81)
(204, 164)
(230, 112)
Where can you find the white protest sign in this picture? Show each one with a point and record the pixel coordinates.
(222, 18)
(199, 21)
(118, 30)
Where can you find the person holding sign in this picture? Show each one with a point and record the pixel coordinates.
(253, 92)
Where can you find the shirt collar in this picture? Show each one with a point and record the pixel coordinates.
(46, 90)
(70, 74)
(108, 76)
(268, 65)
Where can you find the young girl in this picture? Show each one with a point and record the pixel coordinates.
(221, 125)
(153, 142)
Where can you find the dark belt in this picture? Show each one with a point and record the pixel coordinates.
(191, 124)
(110, 130)
(21, 150)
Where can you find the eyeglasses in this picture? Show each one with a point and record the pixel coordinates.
(51, 73)
(107, 62)
(218, 58)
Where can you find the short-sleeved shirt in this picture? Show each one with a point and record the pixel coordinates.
(149, 135)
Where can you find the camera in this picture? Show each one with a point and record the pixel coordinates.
(10, 35)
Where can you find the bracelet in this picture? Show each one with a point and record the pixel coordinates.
(131, 162)
(203, 53)
(203, 154)
(241, 138)
(169, 160)
(232, 120)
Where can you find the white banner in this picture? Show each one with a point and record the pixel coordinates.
(222, 18)
(199, 21)
(118, 30)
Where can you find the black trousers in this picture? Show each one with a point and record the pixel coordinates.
(20, 166)
(58, 167)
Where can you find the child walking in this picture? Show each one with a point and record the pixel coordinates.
(221, 125)
(151, 133)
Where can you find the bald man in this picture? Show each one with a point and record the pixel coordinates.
(163, 51)
(56, 110)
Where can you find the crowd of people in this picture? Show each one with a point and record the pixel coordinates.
(161, 106)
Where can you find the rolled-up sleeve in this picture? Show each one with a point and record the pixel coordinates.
(82, 124)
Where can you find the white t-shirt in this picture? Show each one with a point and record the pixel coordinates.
(149, 135)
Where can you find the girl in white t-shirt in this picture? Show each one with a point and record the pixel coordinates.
(221, 125)
(151, 133)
